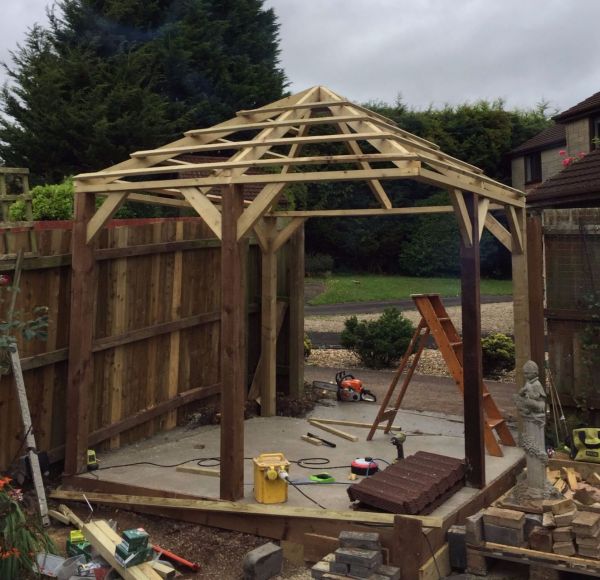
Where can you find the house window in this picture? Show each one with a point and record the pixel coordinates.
(595, 132)
(533, 167)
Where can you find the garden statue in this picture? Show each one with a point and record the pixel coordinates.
(531, 404)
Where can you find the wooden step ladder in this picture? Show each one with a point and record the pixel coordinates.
(435, 322)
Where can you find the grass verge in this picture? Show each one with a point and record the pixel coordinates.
(370, 288)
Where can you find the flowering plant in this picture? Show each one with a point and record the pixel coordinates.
(570, 159)
(20, 539)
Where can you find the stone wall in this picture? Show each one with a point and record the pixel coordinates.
(578, 136)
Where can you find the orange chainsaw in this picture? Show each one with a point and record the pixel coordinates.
(348, 388)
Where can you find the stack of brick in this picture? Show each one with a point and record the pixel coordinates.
(504, 526)
(586, 527)
(359, 556)
(558, 516)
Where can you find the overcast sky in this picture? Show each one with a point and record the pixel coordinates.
(427, 51)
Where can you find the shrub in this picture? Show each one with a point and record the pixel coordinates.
(498, 354)
(318, 264)
(49, 202)
(378, 343)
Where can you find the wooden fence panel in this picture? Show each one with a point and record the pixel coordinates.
(156, 330)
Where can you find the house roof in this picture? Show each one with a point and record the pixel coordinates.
(578, 185)
(580, 109)
(550, 137)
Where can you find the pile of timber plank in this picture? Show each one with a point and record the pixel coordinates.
(415, 485)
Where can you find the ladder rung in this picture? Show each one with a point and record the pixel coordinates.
(388, 413)
(493, 423)
(455, 344)
(444, 319)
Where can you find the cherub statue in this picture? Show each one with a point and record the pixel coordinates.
(531, 398)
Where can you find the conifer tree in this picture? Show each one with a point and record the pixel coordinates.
(107, 77)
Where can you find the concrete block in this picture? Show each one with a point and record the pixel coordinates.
(504, 517)
(540, 539)
(543, 573)
(389, 572)
(339, 568)
(565, 518)
(367, 558)
(564, 534)
(588, 552)
(263, 562)
(476, 563)
(564, 548)
(457, 547)
(474, 529)
(363, 540)
(503, 535)
(532, 521)
(320, 569)
(558, 506)
(587, 524)
(358, 571)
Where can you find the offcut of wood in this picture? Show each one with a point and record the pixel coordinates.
(333, 431)
(197, 470)
(311, 440)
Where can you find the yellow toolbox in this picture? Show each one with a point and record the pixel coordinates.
(269, 486)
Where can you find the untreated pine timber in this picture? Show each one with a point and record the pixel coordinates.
(535, 276)
(296, 312)
(233, 345)
(472, 367)
(80, 374)
(247, 509)
(268, 390)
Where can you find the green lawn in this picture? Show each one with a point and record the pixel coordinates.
(365, 288)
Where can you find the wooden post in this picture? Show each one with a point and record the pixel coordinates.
(81, 375)
(535, 275)
(407, 550)
(520, 291)
(268, 334)
(472, 369)
(296, 313)
(233, 346)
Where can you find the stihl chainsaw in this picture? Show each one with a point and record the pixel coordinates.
(348, 388)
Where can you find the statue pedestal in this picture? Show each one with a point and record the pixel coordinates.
(533, 441)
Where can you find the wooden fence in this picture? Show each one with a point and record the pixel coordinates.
(572, 257)
(156, 332)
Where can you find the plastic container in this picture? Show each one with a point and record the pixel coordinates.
(269, 487)
(69, 567)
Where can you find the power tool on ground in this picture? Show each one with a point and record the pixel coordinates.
(348, 388)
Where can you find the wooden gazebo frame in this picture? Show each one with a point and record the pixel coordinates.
(269, 141)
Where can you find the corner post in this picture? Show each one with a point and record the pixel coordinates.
(521, 300)
(233, 345)
(268, 317)
(81, 335)
(535, 276)
(296, 313)
(472, 366)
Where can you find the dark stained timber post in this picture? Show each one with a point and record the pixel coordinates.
(80, 373)
(233, 345)
(472, 368)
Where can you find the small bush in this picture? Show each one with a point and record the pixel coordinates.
(378, 343)
(498, 354)
(318, 264)
(49, 202)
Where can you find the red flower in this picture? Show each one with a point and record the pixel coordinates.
(4, 280)
(562, 152)
(566, 162)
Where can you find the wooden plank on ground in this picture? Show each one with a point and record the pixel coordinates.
(359, 424)
(333, 431)
(277, 511)
(104, 539)
(197, 470)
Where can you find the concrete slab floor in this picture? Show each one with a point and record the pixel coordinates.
(426, 431)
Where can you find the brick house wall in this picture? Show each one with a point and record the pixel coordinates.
(551, 164)
(578, 136)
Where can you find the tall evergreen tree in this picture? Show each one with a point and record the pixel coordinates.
(107, 77)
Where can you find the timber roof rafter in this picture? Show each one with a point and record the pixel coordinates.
(266, 148)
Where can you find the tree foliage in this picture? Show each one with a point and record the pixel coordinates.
(480, 133)
(107, 77)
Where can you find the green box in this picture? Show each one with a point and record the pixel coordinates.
(79, 549)
(135, 539)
